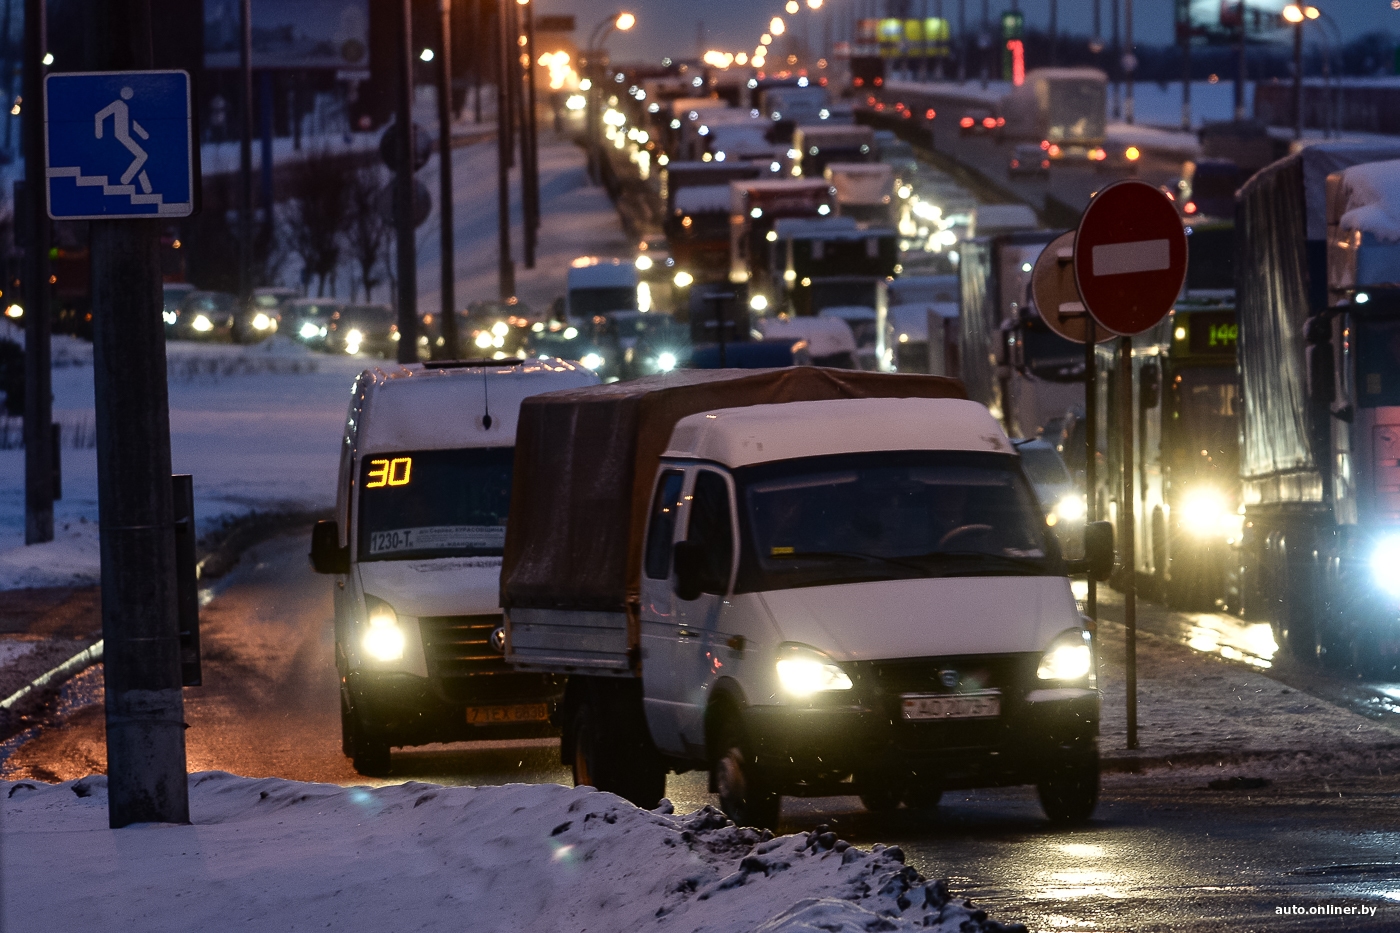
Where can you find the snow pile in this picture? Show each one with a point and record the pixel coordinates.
(280, 855)
(1369, 200)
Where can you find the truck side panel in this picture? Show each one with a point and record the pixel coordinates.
(568, 640)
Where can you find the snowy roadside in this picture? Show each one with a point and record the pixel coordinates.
(279, 855)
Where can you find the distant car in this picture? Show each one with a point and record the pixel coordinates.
(205, 316)
(1061, 500)
(370, 329)
(308, 320)
(635, 332)
(572, 343)
(493, 330)
(261, 318)
(979, 121)
(1029, 159)
(173, 294)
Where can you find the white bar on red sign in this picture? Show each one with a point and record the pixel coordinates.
(1135, 256)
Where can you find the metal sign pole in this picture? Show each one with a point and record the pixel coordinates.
(1091, 450)
(1125, 526)
(407, 248)
(33, 225)
(448, 324)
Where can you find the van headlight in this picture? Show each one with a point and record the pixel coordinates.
(1070, 508)
(1069, 658)
(666, 361)
(803, 671)
(1385, 564)
(383, 639)
(1203, 511)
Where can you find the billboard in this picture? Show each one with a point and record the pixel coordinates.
(1218, 21)
(330, 34)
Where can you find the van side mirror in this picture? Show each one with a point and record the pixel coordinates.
(1098, 550)
(690, 562)
(327, 556)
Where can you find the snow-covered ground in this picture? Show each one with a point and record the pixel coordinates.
(279, 855)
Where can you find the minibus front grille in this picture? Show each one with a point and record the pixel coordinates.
(460, 646)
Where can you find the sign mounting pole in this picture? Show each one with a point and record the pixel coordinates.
(1126, 410)
(120, 153)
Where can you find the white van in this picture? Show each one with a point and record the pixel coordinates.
(839, 596)
(598, 286)
(415, 549)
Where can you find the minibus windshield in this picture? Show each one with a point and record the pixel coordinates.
(434, 503)
(851, 517)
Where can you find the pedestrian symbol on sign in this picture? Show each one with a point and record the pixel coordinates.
(119, 144)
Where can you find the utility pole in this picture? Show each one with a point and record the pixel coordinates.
(1129, 60)
(529, 170)
(1241, 64)
(404, 189)
(1054, 33)
(245, 156)
(38, 369)
(449, 267)
(504, 153)
(146, 779)
(1297, 89)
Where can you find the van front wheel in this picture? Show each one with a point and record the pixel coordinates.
(1069, 791)
(367, 750)
(743, 793)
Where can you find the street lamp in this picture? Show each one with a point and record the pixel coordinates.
(620, 21)
(1297, 15)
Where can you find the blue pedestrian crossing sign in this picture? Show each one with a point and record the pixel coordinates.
(119, 144)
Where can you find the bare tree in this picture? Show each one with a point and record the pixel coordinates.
(318, 214)
(368, 231)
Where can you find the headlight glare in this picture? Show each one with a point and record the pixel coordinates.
(1069, 658)
(383, 639)
(1070, 508)
(1385, 564)
(1203, 511)
(666, 362)
(803, 671)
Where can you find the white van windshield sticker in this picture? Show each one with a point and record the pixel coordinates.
(437, 537)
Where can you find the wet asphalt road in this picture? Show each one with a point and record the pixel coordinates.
(1163, 853)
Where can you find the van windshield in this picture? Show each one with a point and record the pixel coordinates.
(434, 503)
(587, 302)
(877, 516)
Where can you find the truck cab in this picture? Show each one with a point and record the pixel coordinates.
(415, 553)
(598, 286)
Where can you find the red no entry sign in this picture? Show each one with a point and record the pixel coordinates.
(1129, 256)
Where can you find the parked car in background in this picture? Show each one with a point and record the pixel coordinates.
(370, 329)
(173, 294)
(262, 315)
(205, 316)
(308, 320)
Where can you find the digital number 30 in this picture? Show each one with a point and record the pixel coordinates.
(394, 472)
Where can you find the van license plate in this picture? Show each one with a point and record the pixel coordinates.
(975, 706)
(519, 712)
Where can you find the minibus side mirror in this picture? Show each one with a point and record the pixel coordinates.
(690, 563)
(327, 556)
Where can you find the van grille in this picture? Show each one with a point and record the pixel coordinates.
(460, 646)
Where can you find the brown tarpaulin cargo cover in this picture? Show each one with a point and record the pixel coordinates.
(585, 460)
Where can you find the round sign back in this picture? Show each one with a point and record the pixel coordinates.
(1129, 256)
(1057, 297)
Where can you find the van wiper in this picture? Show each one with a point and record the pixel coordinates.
(1035, 565)
(907, 564)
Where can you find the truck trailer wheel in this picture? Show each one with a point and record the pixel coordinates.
(743, 794)
(611, 754)
(1069, 791)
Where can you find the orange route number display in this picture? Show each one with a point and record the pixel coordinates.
(395, 472)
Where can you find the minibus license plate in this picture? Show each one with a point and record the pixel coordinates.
(519, 712)
(977, 706)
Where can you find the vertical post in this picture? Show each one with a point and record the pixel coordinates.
(522, 68)
(1129, 61)
(1115, 57)
(38, 371)
(245, 155)
(1186, 78)
(1298, 80)
(446, 238)
(531, 117)
(478, 56)
(962, 41)
(1054, 33)
(1091, 448)
(404, 191)
(266, 113)
(1241, 65)
(1126, 534)
(146, 780)
(506, 265)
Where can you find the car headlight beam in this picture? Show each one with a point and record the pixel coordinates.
(1069, 657)
(383, 639)
(803, 671)
(1385, 560)
(1203, 511)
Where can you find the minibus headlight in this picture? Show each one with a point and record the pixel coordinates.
(1385, 564)
(383, 639)
(1070, 508)
(803, 671)
(1204, 511)
(1069, 657)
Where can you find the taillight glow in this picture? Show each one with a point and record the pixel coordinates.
(1190, 208)
(989, 122)
(966, 123)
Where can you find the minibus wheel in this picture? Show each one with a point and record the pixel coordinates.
(743, 794)
(1069, 791)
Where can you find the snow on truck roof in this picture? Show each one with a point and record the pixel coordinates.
(1366, 199)
(429, 407)
(738, 437)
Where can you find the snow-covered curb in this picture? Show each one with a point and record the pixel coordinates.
(280, 855)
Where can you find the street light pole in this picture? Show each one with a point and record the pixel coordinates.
(1298, 79)
(34, 227)
(404, 191)
(245, 154)
(505, 268)
(446, 239)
